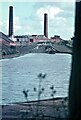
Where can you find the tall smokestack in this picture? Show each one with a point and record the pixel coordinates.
(46, 25)
(10, 21)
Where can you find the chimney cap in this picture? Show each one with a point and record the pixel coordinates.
(45, 13)
(10, 6)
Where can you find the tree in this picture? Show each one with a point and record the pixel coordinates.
(75, 78)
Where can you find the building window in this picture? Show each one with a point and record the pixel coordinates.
(31, 40)
(17, 39)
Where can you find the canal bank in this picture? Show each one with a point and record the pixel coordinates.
(50, 109)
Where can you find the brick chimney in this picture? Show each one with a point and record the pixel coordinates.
(10, 21)
(46, 25)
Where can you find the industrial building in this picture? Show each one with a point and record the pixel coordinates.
(7, 46)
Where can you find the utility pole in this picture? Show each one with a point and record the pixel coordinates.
(75, 78)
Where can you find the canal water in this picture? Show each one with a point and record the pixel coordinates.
(21, 73)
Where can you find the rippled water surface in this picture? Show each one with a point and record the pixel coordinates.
(21, 73)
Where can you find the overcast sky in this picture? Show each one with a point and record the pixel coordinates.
(29, 16)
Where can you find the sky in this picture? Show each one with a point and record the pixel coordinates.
(29, 17)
